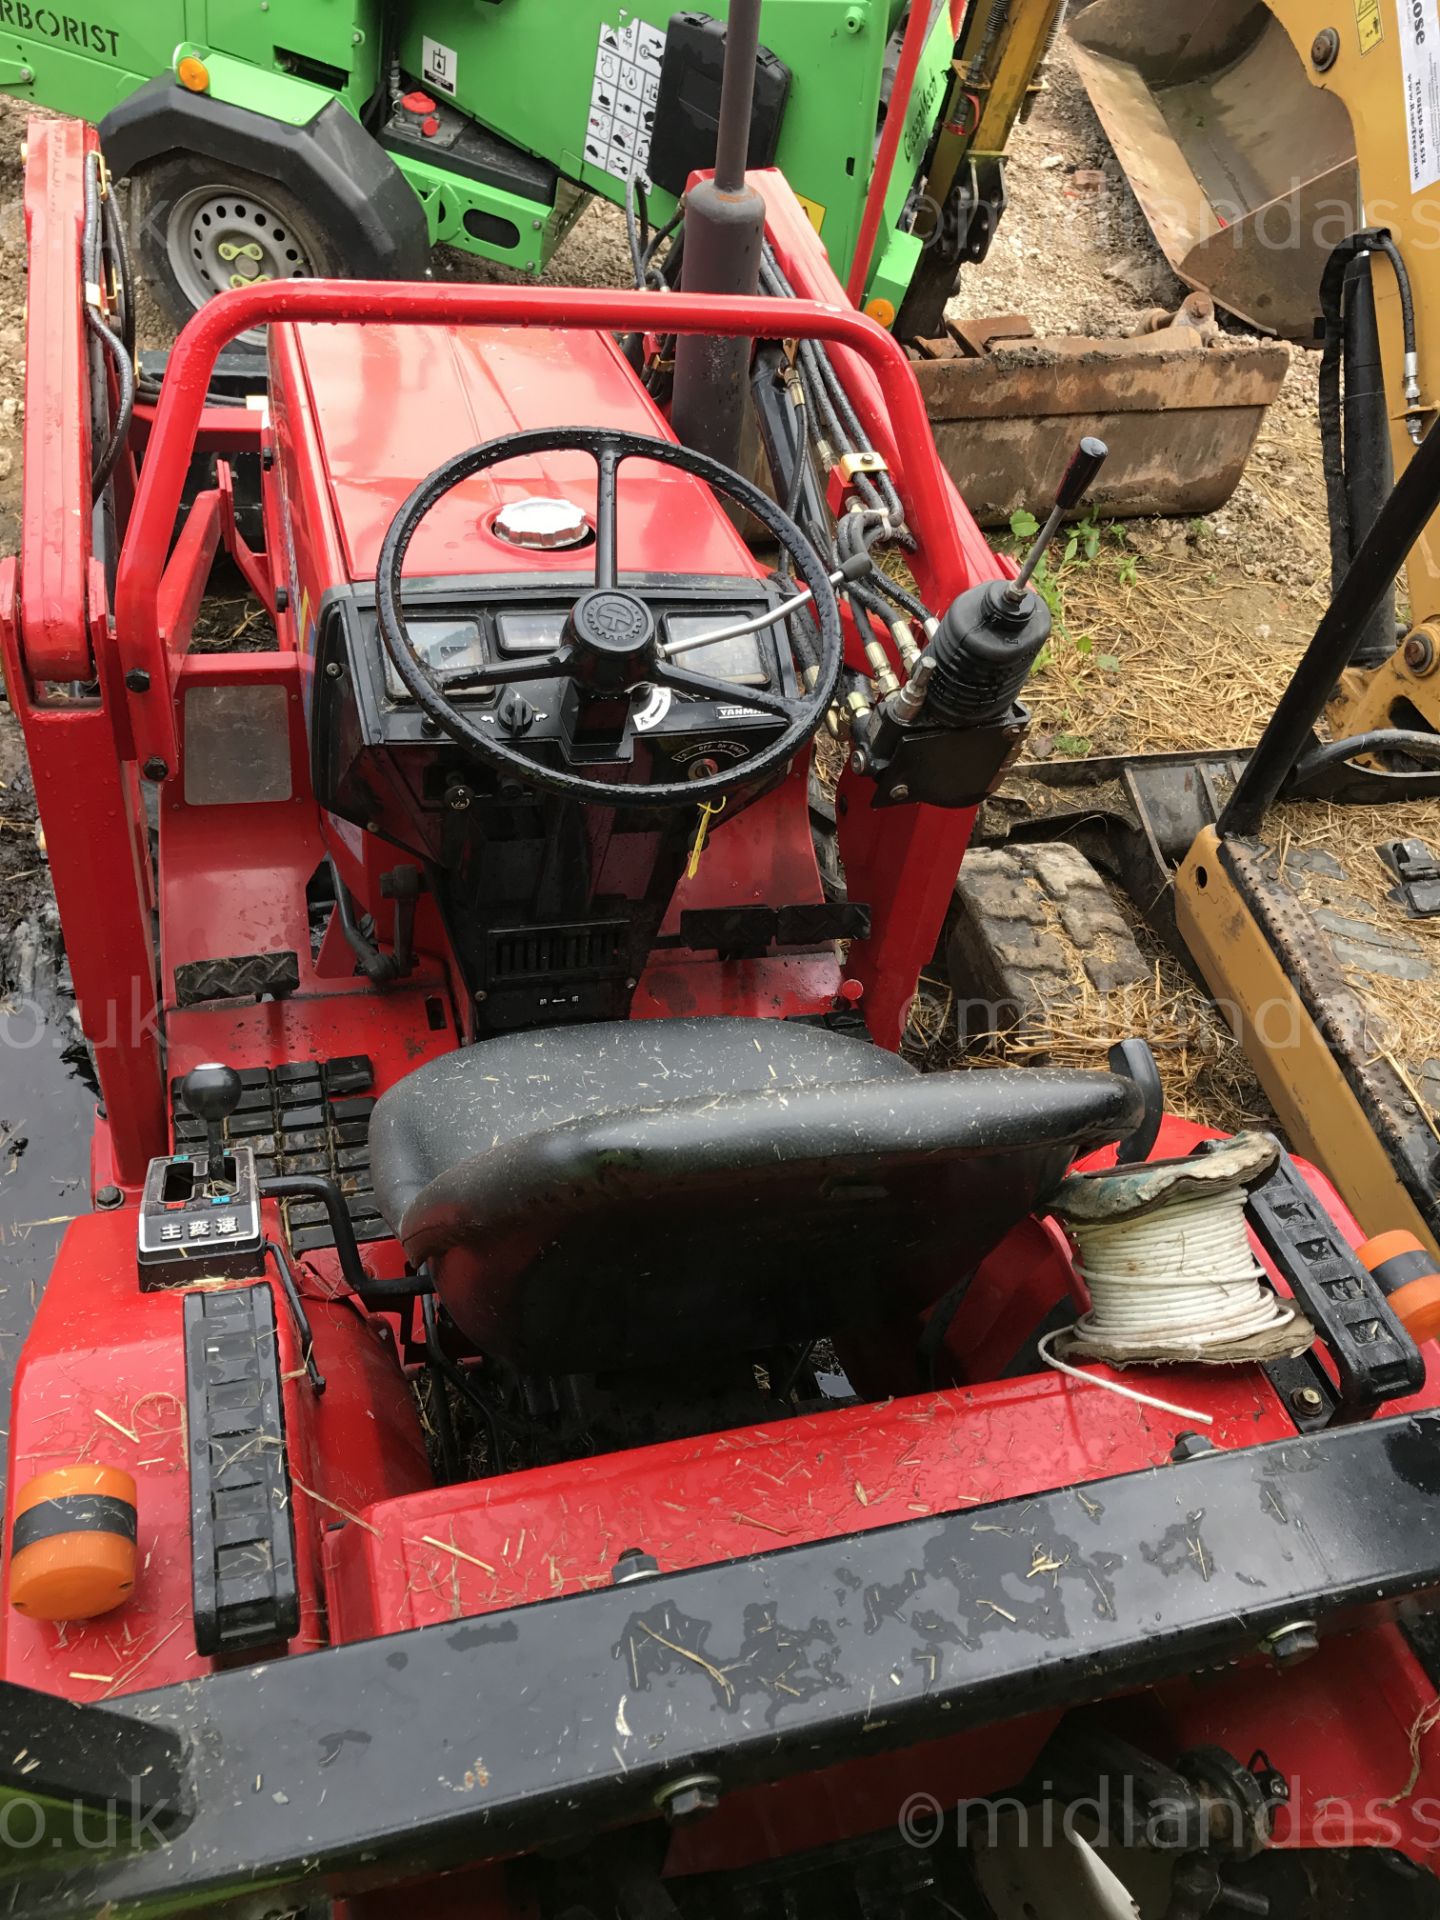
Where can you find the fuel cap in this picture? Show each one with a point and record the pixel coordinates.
(542, 525)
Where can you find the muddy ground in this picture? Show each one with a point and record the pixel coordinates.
(21, 882)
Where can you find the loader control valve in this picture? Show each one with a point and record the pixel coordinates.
(992, 636)
(1081, 474)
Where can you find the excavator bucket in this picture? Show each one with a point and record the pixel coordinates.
(1245, 172)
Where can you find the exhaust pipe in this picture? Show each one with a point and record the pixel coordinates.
(724, 236)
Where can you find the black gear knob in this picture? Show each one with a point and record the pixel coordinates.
(212, 1093)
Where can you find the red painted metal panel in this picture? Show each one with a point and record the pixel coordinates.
(531, 1536)
(102, 1378)
(227, 430)
(766, 857)
(300, 530)
(182, 585)
(903, 862)
(50, 631)
(391, 403)
(95, 840)
(55, 534)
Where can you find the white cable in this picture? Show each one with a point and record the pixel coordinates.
(1179, 1282)
(1114, 1386)
(1183, 1275)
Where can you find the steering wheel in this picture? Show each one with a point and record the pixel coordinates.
(610, 645)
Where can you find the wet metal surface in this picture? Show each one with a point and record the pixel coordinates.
(548, 1722)
(47, 1112)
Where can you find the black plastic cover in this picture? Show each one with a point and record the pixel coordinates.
(687, 111)
(1374, 1356)
(344, 177)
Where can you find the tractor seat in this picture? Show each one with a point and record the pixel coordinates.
(598, 1197)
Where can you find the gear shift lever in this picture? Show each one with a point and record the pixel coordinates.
(202, 1206)
(212, 1093)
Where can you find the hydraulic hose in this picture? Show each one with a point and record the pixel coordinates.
(125, 408)
(115, 242)
(92, 254)
(1408, 508)
(831, 412)
(637, 227)
(1354, 425)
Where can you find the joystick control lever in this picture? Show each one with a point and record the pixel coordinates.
(1081, 474)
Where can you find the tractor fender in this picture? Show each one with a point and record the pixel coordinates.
(330, 162)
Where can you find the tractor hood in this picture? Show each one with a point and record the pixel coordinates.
(389, 404)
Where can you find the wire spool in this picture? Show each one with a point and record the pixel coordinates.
(1164, 1251)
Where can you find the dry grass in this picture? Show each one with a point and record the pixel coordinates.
(1205, 1073)
(1196, 668)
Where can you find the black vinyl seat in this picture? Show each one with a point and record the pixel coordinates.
(595, 1197)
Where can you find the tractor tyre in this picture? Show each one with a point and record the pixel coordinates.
(1035, 929)
(199, 226)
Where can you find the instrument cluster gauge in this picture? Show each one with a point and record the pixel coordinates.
(739, 660)
(449, 648)
(530, 631)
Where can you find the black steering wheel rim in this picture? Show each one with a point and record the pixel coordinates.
(609, 449)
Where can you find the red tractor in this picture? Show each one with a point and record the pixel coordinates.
(547, 1412)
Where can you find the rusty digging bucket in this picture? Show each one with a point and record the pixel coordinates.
(1244, 171)
(1179, 408)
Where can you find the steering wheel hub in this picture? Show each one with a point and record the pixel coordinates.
(612, 635)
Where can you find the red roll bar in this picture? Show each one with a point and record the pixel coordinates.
(923, 484)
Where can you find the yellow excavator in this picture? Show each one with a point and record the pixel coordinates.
(1300, 876)
(1260, 139)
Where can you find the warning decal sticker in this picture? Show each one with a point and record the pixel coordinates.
(1420, 56)
(622, 100)
(814, 212)
(438, 65)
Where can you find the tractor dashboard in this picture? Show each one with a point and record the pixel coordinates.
(480, 737)
(467, 631)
